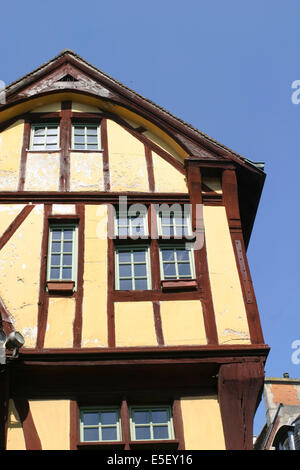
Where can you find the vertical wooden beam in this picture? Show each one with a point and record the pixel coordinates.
(149, 164)
(65, 145)
(178, 423)
(195, 191)
(32, 440)
(158, 324)
(77, 326)
(43, 298)
(25, 147)
(110, 277)
(104, 144)
(125, 423)
(231, 202)
(239, 387)
(74, 424)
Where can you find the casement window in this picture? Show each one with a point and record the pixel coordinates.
(176, 262)
(62, 252)
(175, 222)
(86, 137)
(132, 266)
(44, 136)
(153, 423)
(134, 226)
(100, 425)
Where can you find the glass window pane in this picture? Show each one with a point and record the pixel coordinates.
(141, 284)
(125, 270)
(184, 269)
(182, 255)
(67, 260)
(39, 131)
(139, 256)
(52, 139)
(109, 434)
(52, 130)
(160, 416)
(92, 139)
(125, 284)
(160, 432)
(91, 130)
(39, 140)
(90, 418)
(56, 247)
(79, 139)
(169, 269)
(79, 130)
(91, 434)
(56, 234)
(123, 222)
(68, 247)
(167, 255)
(109, 417)
(67, 273)
(124, 256)
(68, 234)
(140, 270)
(79, 146)
(141, 417)
(123, 231)
(55, 260)
(142, 432)
(54, 273)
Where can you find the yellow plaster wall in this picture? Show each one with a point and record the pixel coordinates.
(59, 331)
(202, 423)
(84, 108)
(60, 209)
(15, 435)
(182, 322)
(230, 312)
(8, 212)
(94, 308)
(86, 172)
(52, 422)
(11, 141)
(20, 261)
(167, 178)
(163, 144)
(127, 162)
(42, 172)
(213, 182)
(48, 108)
(134, 324)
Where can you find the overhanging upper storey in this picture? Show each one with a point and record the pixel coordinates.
(68, 89)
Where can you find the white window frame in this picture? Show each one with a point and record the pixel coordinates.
(32, 147)
(129, 226)
(100, 426)
(150, 409)
(63, 226)
(179, 277)
(175, 214)
(86, 125)
(132, 248)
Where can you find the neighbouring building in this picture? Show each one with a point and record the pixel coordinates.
(282, 403)
(123, 236)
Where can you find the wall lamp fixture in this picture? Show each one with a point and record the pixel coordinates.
(14, 341)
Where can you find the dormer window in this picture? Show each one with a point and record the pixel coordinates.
(44, 137)
(86, 137)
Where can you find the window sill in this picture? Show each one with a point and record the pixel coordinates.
(153, 445)
(108, 445)
(179, 284)
(60, 287)
(87, 151)
(43, 151)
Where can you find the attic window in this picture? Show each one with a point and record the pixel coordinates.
(67, 78)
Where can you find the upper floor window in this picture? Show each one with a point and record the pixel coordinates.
(132, 268)
(86, 137)
(176, 262)
(134, 226)
(153, 423)
(44, 136)
(62, 255)
(174, 221)
(100, 424)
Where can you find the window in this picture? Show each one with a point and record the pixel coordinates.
(86, 137)
(153, 423)
(128, 225)
(44, 137)
(132, 268)
(174, 221)
(62, 259)
(176, 262)
(98, 425)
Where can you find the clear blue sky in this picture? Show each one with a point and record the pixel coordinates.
(224, 66)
